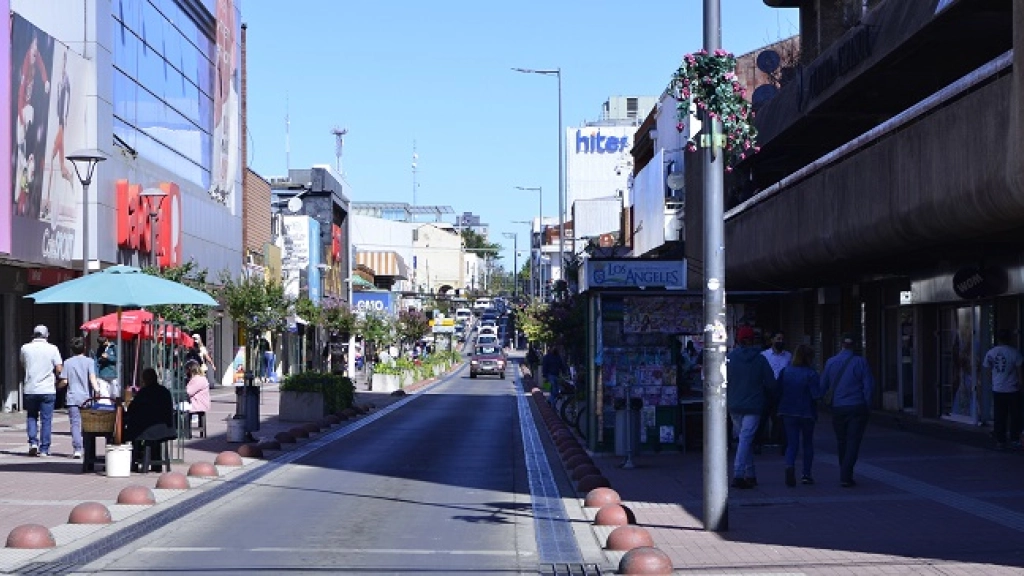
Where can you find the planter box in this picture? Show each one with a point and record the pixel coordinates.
(385, 382)
(301, 406)
(408, 379)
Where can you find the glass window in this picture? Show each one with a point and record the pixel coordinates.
(125, 97)
(152, 27)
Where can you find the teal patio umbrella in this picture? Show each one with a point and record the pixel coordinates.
(124, 287)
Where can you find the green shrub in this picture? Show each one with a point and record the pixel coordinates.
(387, 369)
(338, 391)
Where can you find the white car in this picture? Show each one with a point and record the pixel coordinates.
(487, 340)
(488, 330)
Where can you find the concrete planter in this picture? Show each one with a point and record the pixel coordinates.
(301, 406)
(386, 382)
(408, 379)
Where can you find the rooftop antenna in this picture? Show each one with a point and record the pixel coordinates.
(415, 157)
(287, 136)
(339, 138)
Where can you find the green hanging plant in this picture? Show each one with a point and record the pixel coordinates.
(709, 81)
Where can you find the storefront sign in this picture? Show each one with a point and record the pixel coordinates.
(979, 282)
(373, 302)
(631, 273)
(133, 222)
(596, 143)
(49, 276)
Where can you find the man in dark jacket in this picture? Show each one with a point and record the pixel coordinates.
(552, 366)
(748, 377)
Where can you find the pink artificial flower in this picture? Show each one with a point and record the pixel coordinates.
(757, 149)
(691, 148)
(680, 126)
(728, 169)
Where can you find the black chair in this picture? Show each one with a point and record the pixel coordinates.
(151, 447)
(200, 422)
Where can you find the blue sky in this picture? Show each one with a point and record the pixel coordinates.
(438, 73)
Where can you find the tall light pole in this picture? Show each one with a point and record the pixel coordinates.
(557, 73)
(515, 261)
(533, 273)
(85, 162)
(154, 198)
(540, 229)
(716, 480)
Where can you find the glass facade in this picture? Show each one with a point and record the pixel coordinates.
(163, 80)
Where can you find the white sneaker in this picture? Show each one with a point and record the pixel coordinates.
(44, 454)
(33, 450)
(77, 455)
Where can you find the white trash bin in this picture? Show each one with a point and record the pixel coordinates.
(236, 430)
(119, 460)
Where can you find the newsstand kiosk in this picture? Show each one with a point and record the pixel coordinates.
(640, 319)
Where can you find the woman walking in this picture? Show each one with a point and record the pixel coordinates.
(799, 388)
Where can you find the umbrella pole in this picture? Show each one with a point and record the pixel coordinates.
(120, 377)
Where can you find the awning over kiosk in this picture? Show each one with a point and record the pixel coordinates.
(384, 263)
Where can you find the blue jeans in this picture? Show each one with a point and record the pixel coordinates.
(75, 416)
(552, 380)
(40, 407)
(268, 365)
(849, 423)
(799, 433)
(744, 427)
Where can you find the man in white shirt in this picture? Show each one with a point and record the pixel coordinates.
(42, 363)
(771, 431)
(1003, 363)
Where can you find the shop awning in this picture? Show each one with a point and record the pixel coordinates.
(384, 263)
(360, 282)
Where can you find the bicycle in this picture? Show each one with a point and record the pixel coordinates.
(570, 404)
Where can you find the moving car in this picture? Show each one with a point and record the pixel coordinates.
(487, 340)
(488, 359)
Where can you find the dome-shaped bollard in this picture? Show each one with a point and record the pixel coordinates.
(312, 427)
(285, 438)
(269, 445)
(645, 560)
(32, 536)
(600, 496)
(614, 515)
(333, 420)
(325, 423)
(588, 483)
(203, 470)
(90, 513)
(228, 458)
(572, 453)
(172, 481)
(299, 432)
(349, 412)
(136, 496)
(576, 460)
(628, 537)
(250, 451)
(360, 409)
(584, 470)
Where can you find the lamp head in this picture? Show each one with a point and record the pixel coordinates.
(86, 161)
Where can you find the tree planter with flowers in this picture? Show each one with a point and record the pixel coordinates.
(709, 81)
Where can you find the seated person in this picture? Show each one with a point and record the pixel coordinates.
(150, 415)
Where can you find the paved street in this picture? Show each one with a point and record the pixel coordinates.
(922, 506)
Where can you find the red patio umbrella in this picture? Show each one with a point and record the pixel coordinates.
(137, 323)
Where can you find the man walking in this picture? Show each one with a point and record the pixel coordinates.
(749, 376)
(80, 371)
(552, 366)
(42, 363)
(1003, 363)
(770, 429)
(848, 379)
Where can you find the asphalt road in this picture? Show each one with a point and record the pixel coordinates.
(437, 486)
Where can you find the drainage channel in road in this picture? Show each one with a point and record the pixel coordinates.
(91, 552)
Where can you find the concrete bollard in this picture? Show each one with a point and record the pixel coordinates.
(136, 496)
(646, 560)
(269, 445)
(31, 536)
(577, 459)
(228, 458)
(588, 483)
(284, 438)
(90, 513)
(250, 451)
(299, 432)
(172, 481)
(203, 470)
(579, 472)
(614, 515)
(628, 537)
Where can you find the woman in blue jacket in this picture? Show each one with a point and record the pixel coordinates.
(799, 388)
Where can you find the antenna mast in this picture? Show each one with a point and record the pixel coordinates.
(339, 139)
(415, 157)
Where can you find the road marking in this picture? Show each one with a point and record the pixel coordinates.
(331, 550)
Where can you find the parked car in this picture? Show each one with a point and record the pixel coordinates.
(488, 359)
(487, 339)
(485, 330)
(463, 315)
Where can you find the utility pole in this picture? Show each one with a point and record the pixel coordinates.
(515, 262)
(716, 478)
(339, 138)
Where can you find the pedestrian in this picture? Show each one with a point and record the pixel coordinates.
(552, 367)
(198, 389)
(847, 380)
(106, 369)
(43, 364)
(799, 388)
(206, 363)
(770, 429)
(533, 361)
(80, 371)
(749, 378)
(1003, 364)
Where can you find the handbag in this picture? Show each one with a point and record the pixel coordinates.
(831, 392)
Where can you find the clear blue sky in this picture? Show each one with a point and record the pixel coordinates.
(438, 73)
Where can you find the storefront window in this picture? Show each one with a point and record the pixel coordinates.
(963, 333)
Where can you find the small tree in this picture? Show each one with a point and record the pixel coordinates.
(256, 305)
(186, 316)
(339, 318)
(376, 328)
(411, 326)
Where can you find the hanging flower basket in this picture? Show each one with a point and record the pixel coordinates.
(709, 81)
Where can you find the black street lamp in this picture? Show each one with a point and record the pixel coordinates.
(85, 162)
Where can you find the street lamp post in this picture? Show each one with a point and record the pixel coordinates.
(515, 262)
(533, 273)
(557, 73)
(85, 162)
(154, 198)
(540, 226)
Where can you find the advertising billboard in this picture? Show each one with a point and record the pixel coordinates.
(5, 128)
(300, 257)
(226, 173)
(364, 302)
(47, 122)
(597, 162)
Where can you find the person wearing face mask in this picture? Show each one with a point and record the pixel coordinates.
(771, 431)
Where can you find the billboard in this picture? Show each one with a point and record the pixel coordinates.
(598, 162)
(226, 173)
(364, 302)
(300, 256)
(5, 128)
(47, 122)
